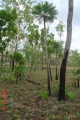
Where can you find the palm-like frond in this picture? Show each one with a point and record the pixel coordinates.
(45, 10)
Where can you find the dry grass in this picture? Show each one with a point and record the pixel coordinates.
(24, 103)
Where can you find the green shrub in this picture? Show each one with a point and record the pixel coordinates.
(15, 116)
(18, 57)
(8, 77)
(0, 104)
(57, 88)
(11, 79)
(5, 76)
(44, 94)
(19, 69)
(71, 95)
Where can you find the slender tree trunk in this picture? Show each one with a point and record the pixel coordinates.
(47, 58)
(78, 83)
(60, 60)
(1, 59)
(20, 77)
(50, 73)
(66, 52)
(30, 70)
(12, 64)
(42, 62)
(16, 79)
(56, 77)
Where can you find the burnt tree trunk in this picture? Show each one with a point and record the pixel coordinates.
(78, 83)
(62, 78)
(66, 52)
(47, 57)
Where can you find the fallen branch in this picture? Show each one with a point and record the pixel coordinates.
(32, 82)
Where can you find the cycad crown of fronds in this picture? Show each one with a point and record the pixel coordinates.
(45, 10)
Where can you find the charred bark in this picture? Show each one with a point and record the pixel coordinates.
(66, 52)
(12, 65)
(62, 78)
(78, 83)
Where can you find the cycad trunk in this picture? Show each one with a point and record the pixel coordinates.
(47, 58)
(66, 52)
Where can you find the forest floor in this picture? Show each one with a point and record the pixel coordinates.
(24, 103)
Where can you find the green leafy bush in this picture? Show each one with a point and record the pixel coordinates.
(0, 104)
(8, 77)
(5, 76)
(57, 88)
(18, 57)
(19, 69)
(44, 94)
(11, 79)
(76, 72)
(71, 95)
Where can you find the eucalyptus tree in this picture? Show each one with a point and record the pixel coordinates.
(47, 12)
(28, 17)
(18, 35)
(42, 45)
(50, 39)
(60, 29)
(66, 52)
(31, 57)
(74, 58)
(58, 48)
(23, 11)
(33, 34)
(54, 47)
(74, 62)
(33, 40)
(7, 19)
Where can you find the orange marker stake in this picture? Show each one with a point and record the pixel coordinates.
(3, 108)
(3, 94)
(3, 102)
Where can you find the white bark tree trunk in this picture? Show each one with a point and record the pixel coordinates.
(66, 52)
(69, 26)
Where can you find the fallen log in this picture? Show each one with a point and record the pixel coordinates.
(32, 82)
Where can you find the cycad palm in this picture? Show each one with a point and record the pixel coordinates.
(48, 12)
